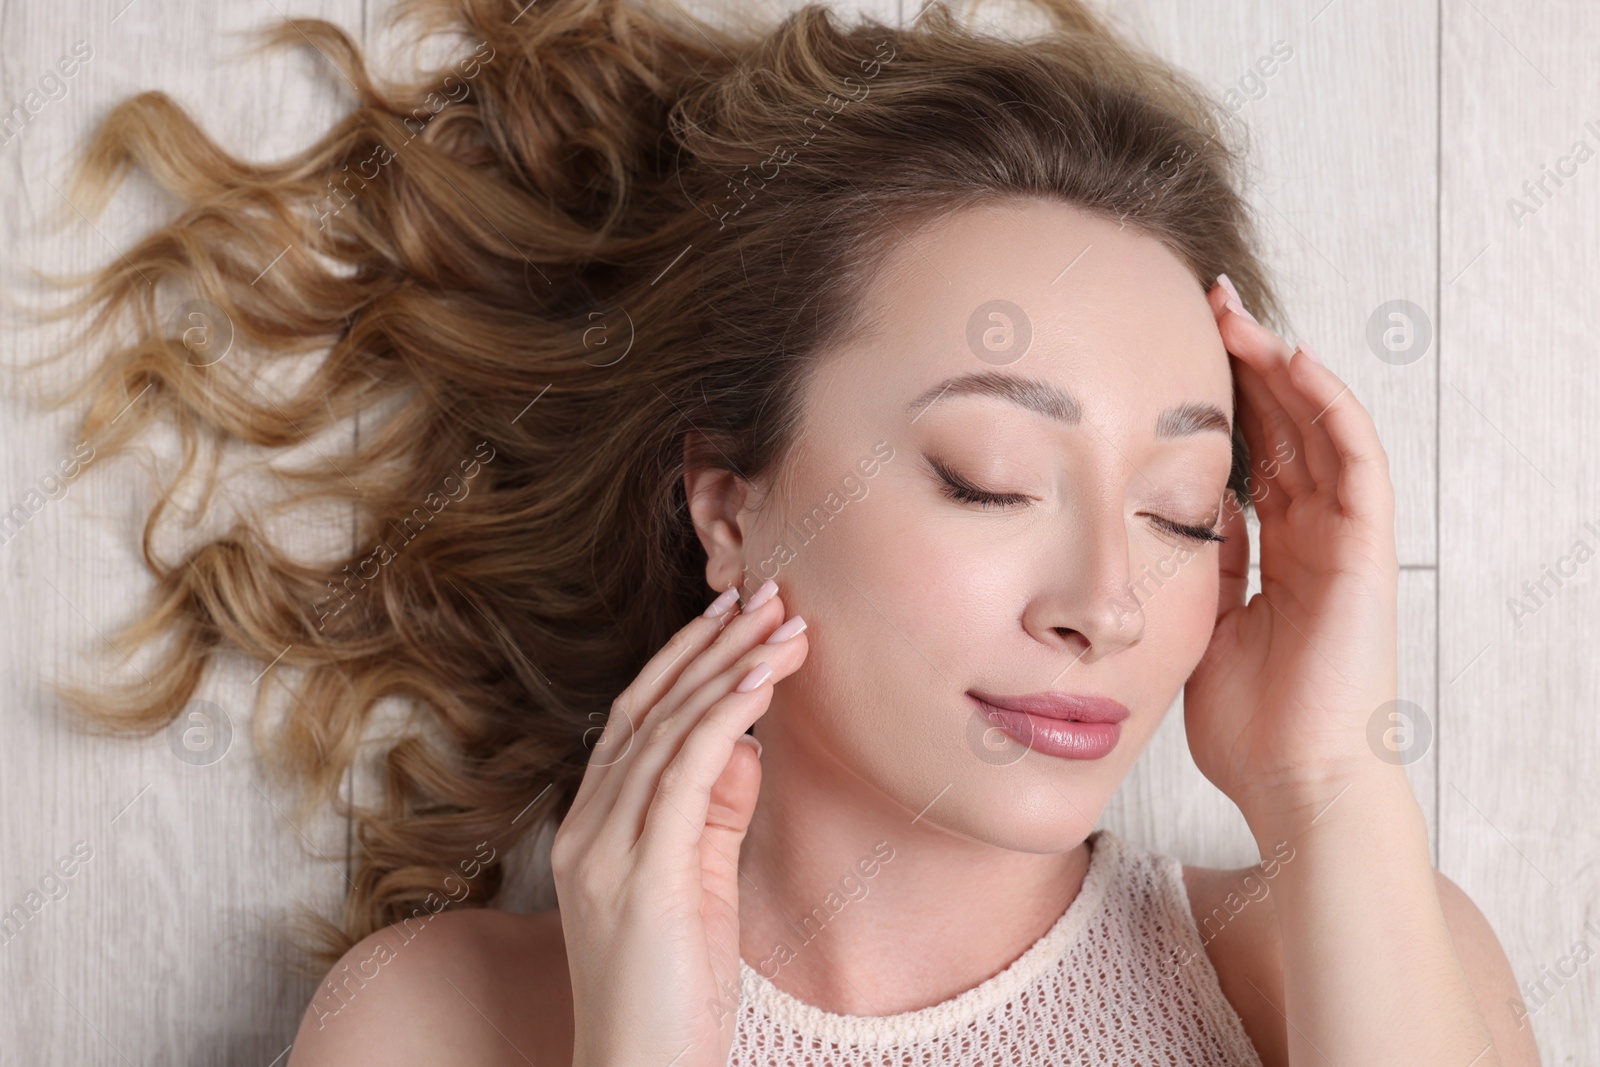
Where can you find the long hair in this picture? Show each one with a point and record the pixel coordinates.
(600, 233)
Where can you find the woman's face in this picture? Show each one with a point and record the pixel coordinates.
(914, 598)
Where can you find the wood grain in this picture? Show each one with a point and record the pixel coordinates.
(1385, 153)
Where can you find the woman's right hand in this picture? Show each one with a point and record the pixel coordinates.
(646, 861)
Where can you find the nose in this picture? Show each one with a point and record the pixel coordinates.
(1084, 602)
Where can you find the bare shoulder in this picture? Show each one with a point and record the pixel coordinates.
(475, 986)
(1234, 914)
(1489, 972)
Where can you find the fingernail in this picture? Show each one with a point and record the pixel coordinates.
(787, 630)
(1310, 354)
(719, 606)
(762, 595)
(750, 739)
(1234, 302)
(758, 674)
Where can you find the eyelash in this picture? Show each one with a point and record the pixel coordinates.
(964, 493)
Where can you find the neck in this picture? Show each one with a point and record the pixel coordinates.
(852, 903)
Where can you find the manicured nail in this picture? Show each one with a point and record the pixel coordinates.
(762, 595)
(750, 739)
(719, 606)
(1234, 302)
(1310, 354)
(787, 630)
(758, 674)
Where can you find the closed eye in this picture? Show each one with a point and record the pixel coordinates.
(962, 491)
(1193, 533)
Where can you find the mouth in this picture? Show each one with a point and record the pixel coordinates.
(1064, 725)
(1070, 707)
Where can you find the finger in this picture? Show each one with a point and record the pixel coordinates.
(1363, 487)
(667, 737)
(1261, 494)
(1321, 458)
(653, 723)
(1263, 380)
(762, 615)
(1315, 451)
(679, 816)
(1275, 426)
(1222, 298)
(617, 736)
(1233, 558)
(1283, 462)
(1226, 304)
(1274, 444)
(729, 809)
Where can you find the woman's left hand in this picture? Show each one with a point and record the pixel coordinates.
(1279, 706)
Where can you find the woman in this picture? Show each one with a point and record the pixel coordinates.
(923, 351)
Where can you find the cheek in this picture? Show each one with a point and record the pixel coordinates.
(893, 610)
(915, 592)
(1179, 600)
(916, 612)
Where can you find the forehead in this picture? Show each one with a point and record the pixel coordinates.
(1034, 288)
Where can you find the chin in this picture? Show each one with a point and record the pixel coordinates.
(1053, 826)
(1038, 804)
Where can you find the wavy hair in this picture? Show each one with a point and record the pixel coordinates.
(603, 243)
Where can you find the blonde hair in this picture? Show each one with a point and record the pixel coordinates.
(598, 230)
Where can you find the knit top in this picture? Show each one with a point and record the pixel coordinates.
(1122, 977)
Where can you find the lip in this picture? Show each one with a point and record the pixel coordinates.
(1071, 707)
(1056, 724)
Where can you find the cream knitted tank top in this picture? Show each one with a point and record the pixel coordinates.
(1121, 978)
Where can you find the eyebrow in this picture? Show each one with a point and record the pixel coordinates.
(1038, 395)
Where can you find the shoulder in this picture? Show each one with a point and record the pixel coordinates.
(1494, 984)
(476, 985)
(1234, 914)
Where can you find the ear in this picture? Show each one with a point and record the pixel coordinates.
(716, 499)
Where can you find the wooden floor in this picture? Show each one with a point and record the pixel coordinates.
(1398, 149)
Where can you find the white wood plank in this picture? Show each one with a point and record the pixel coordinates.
(162, 944)
(1520, 465)
(1342, 180)
(163, 947)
